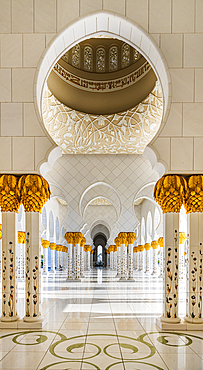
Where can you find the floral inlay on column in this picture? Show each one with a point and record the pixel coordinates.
(131, 237)
(170, 192)
(9, 203)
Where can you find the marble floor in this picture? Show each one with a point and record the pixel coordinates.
(101, 323)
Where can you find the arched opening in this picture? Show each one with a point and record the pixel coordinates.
(99, 242)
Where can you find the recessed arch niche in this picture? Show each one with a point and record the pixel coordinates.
(103, 24)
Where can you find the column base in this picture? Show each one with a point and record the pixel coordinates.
(4, 319)
(77, 279)
(195, 321)
(122, 279)
(130, 279)
(182, 325)
(69, 279)
(170, 324)
(21, 324)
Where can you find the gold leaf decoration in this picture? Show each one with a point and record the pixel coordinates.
(9, 193)
(169, 192)
(194, 195)
(131, 237)
(34, 192)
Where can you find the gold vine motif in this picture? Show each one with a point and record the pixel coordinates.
(30, 190)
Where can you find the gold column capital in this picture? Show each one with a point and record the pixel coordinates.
(92, 251)
(182, 237)
(140, 248)
(9, 193)
(88, 248)
(77, 237)
(52, 246)
(122, 237)
(45, 244)
(131, 237)
(117, 242)
(147, 246)
(161, 241)
(21, 237)
(135, 249)
(194, 196)
(154, 244)
(34, 192)
(83, 241)
(69, 236)
(170, 192)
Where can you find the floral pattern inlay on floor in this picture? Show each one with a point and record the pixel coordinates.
(101, 324)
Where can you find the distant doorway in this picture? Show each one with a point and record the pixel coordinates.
(99, 257)
(99, 254)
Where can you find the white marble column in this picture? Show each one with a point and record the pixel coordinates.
(45, 245)
(70, 239)
(155, 245)
(116, 240)
(91, 260)
(82, 244)
(115, 258)
(123, 242)
(111, 258)
(52, 247)
(131, 237)
(77, 240)
(64, 257)
(70, 262)
(58, 248)
(21, 254)
(141, 257)
(130, 262)
(160, 241)
(88, 259)
(182, 239)
(9, 267)
(194, 274)
(147, 248)
(33, 268)
(171, 273)
(77, 262)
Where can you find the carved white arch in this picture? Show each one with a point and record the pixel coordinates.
(91, 187)
(100, 222)
(101, 23)
(93, 199)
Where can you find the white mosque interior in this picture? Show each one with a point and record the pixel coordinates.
(101, 184)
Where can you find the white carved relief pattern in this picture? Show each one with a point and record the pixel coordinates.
(126, 132)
